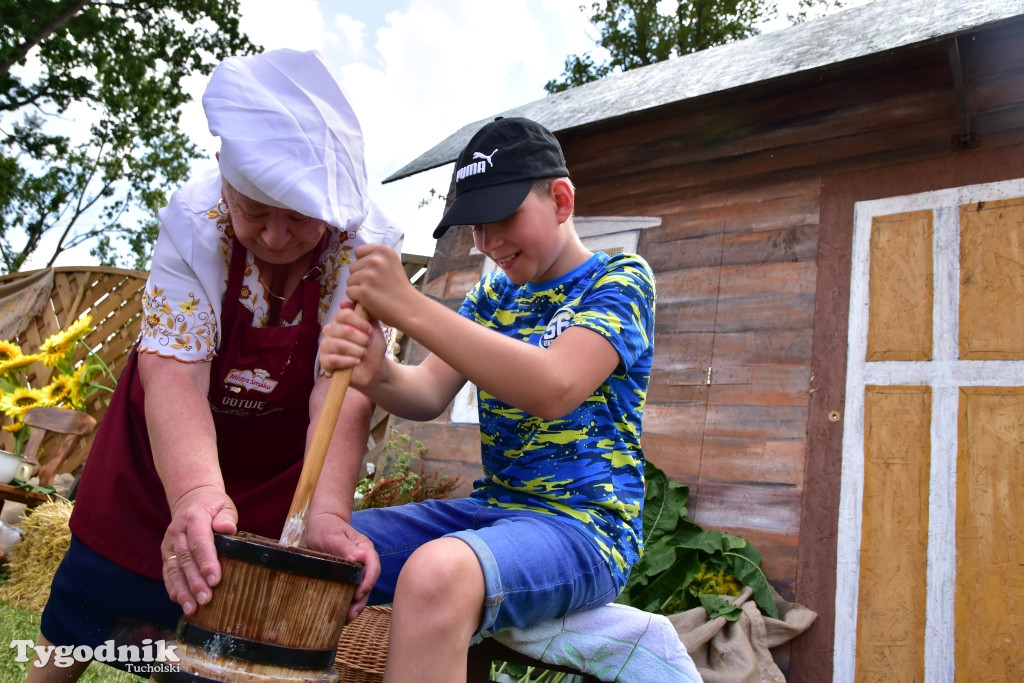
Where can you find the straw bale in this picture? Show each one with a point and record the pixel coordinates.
(34, 559)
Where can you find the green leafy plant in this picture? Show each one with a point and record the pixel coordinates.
(400, 482)
(23, 485)
(521, 673)
(685, 566)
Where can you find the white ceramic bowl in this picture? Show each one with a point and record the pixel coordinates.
(9, 466)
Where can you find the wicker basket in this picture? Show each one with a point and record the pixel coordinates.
(363, 647)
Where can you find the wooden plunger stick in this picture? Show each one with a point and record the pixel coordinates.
(313, 463)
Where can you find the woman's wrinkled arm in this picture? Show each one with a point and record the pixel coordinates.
(184, 443)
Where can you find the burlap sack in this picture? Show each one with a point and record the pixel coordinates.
(740, 651)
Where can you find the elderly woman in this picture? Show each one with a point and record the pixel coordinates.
(207, 429)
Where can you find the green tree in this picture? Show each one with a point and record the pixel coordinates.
(118, 65)
(640, 32)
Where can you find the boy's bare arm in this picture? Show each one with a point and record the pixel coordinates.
(548, 383)
(416, 392)
(544, 382)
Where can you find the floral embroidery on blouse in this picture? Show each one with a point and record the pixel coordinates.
(227, 234)
(188, 329)
(335, 257)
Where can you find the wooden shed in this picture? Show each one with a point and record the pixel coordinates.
(835, 215)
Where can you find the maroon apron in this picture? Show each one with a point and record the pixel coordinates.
(260, 384)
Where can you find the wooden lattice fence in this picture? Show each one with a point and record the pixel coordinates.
(112, 296)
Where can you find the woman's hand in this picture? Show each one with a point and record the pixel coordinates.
(191, 568)
(331, 534)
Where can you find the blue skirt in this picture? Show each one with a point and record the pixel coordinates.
(93, 600)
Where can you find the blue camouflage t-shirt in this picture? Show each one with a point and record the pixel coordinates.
(586, 467)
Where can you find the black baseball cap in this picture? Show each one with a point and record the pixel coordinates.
(497, 168)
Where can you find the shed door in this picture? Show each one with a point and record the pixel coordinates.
(930, 583)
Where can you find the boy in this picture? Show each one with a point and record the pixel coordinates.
(554, 525)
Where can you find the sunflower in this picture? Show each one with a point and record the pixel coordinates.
(59, 390)
(20, 362)
(80, 385)
(18, 402)
(9, 351)
(57, 346)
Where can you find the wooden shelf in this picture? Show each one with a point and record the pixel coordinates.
(29, 498)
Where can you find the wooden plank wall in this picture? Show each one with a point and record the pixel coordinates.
(995, 68)
(737, 181)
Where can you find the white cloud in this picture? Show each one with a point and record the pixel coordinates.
(298, 24)
(352, 34)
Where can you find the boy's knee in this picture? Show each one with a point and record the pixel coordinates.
(441, 587)
(447, 566)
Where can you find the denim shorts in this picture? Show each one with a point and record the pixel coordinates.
(535, 566)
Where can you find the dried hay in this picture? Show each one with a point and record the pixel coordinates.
(34, 559)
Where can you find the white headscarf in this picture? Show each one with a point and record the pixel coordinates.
(289, 137)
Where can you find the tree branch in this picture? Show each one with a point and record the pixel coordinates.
(44, 31)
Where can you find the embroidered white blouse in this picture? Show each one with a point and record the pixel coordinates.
(188, 280)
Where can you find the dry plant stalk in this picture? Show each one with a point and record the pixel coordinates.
(399, 483)
(401, 488)
(34, 559)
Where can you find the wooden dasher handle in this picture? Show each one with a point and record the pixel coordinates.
(313, 463)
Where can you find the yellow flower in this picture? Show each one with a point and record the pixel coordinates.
(21, 362)
(68, 387)
(80, 327)
(9, 351)
(59, 390)
(59, 345)
(715, 581)
(20, 401)
(83, 375)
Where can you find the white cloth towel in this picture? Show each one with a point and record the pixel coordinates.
(613, 643)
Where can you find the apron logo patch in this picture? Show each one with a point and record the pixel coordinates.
(257, 380)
